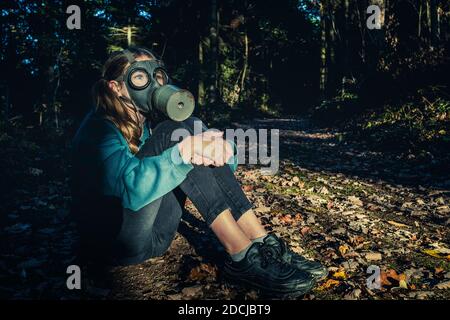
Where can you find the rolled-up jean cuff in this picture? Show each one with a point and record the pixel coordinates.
(215, 212)
(242, 210)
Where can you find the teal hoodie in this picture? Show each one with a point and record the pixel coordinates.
(103, 164)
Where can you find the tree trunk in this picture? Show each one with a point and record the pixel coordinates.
(332, 70)
(346, 70)
(213, 54)
(378, 36)
(323, 51)
(201, 81)
(434, 22)
(419, 23)
(245, 67)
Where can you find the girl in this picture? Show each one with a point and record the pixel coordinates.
(127, 180)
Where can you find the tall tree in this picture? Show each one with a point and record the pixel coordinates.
(323, 49)
(434, 28)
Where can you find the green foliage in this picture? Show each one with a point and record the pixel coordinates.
(338, 109)
(420, 124)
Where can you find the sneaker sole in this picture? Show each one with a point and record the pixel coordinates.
(266, 290)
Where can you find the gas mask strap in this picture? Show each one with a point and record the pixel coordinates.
(129, 55)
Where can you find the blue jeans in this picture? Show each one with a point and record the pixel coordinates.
(149, 232)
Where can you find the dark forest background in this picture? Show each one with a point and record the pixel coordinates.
(238, 57)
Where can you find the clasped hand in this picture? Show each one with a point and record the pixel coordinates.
(207, 148)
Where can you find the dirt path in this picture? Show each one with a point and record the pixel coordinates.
(334, 200)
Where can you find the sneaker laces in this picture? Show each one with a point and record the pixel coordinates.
(269, 255)
(284, 253)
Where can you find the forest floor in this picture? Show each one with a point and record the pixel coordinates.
(335, 200)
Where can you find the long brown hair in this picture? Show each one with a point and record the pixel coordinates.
(109, 105)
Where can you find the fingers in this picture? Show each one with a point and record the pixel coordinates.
(218, 152)
(229, 151)
(213, 150)
(212, 133)
(199, 160)
(210, 148)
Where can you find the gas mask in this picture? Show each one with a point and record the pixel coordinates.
(150, 89)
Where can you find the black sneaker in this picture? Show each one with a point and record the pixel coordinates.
(261, 270)
(317, 270)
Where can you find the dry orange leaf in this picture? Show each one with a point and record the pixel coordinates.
(398, 224)
(392, 274)
(356, 240)
(330, 205)
(330, 283)
(202, 271)
(340, 274)
(385, 275)
(438, 270)
(305, 230)
(286, 219)
(343, 249)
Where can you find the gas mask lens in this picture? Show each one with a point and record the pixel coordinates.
(160, 77)
(139, 79)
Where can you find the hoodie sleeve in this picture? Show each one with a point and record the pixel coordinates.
(233, 161)
(137, 182)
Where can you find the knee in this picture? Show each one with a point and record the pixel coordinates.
(191, 125)
(195, 125)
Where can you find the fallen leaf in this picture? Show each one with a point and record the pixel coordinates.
(203, 271)
(356, 240)
(262, 209)
(373, 256)
(330, 205)
(398, 224)
(438, 270)
(330, 283)
(338, 231)
(340, 274)
(287, 219)
(355, 200)
(373, 207)
(191, 292)
(354, 295)
(436, 253)
(324, 190)
(443, 285)
(305, 230)
(391, 274)
(343, 249)
(402, 283)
